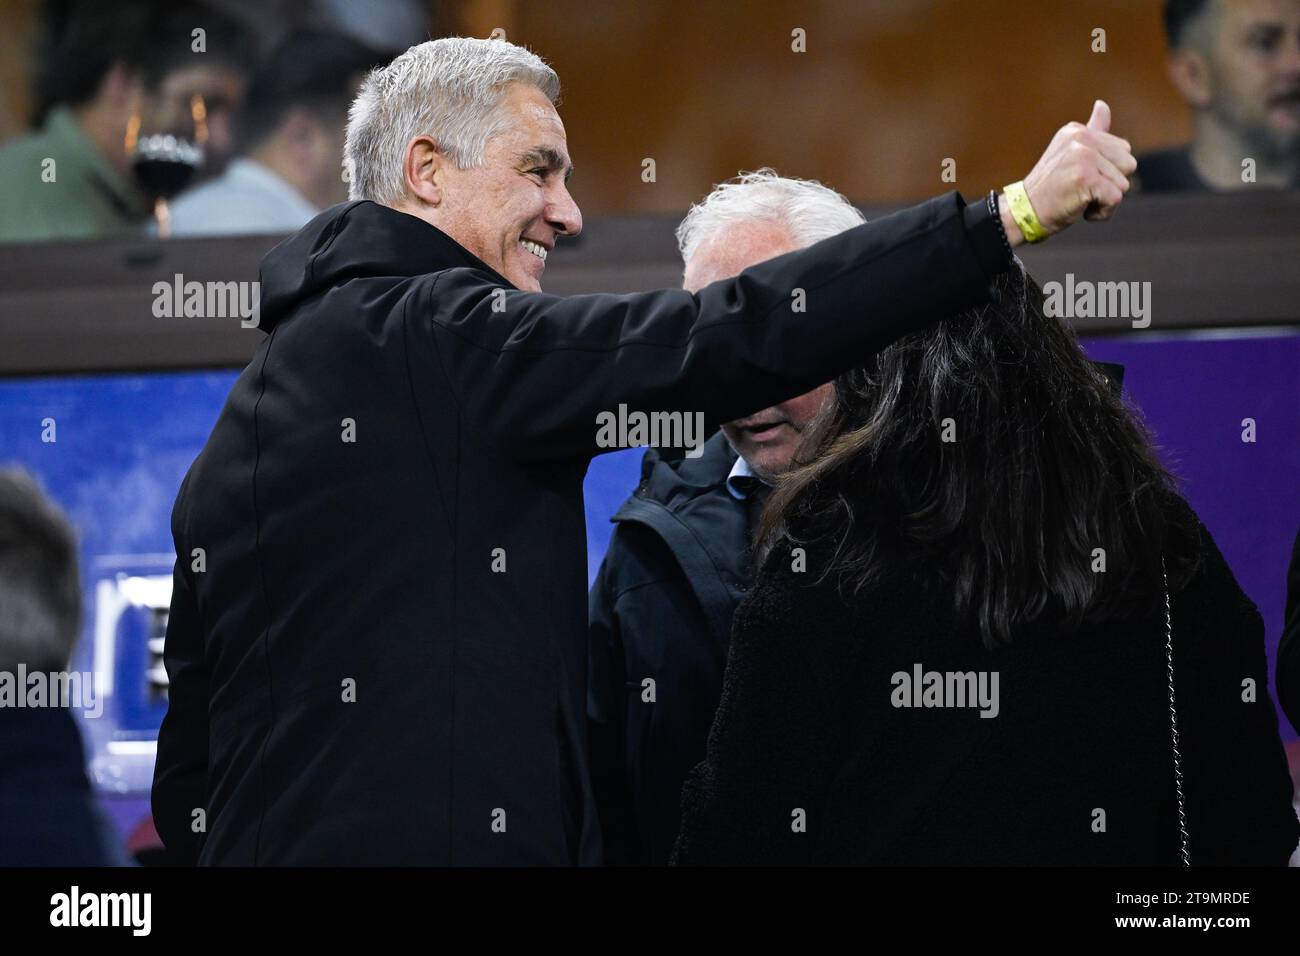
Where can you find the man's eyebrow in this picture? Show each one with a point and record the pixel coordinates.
(552, 159)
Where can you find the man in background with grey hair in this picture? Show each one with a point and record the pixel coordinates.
(679, 558)
(377, 645)
(678, 562)
(47, 817)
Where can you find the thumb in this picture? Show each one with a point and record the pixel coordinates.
(1100, 118)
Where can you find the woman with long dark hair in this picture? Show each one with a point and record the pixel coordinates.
(987, 630)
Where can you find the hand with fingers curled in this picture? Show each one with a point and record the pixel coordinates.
(1083, 174)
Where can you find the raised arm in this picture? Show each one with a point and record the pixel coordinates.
(533, 371)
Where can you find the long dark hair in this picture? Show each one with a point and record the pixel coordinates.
(988, 453)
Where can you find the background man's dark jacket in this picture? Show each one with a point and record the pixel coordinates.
(806, 721)
(377, 647)
(678, 564)
(48, 815)
(1169, 171)
(1172, 171)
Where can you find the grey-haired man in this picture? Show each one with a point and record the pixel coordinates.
(377, 645)
(678, 562)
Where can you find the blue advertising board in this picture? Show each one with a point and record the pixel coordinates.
(111, 450)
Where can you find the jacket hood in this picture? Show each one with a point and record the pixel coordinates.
(674, 481)
(352, 240)
(686, 502)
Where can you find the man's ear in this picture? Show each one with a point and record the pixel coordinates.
(1190, 73)
(424, 170)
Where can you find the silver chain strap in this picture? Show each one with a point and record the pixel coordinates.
(1173, 721)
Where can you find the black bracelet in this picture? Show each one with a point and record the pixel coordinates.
(997, 217)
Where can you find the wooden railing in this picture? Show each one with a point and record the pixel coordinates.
(1212, 261)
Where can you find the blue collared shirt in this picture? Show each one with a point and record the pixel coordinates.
(742, 488)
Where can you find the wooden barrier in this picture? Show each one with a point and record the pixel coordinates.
(1211, 261)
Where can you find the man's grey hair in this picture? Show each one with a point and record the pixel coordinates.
(809, 210)
(40, 593)
(449, 90)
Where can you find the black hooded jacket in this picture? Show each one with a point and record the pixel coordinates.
(377, 643)
(660, 610)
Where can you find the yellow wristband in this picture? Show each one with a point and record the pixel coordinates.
(1022, 211)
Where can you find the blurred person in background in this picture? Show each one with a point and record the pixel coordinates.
(1237, 65)
(955, 652)
(218, 76)
(47, 816)
(102, 67)
(290, 130)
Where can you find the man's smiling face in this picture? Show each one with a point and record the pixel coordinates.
(509, 210)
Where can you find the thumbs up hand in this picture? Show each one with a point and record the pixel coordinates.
(1083, 174)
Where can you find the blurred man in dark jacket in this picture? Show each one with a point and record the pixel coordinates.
(47, 816)
(377, 644)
